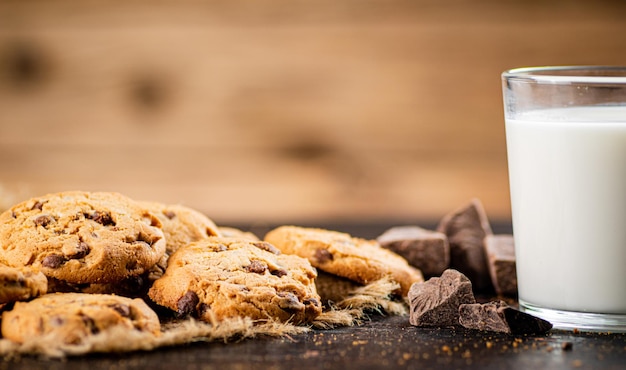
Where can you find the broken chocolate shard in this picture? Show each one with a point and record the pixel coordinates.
(466, 229)
(436, 301)
(500, 251)
(498, 316)
(425, 249)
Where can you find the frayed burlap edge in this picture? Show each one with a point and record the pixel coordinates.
(119, 339)
(352, 310)
(373, 298)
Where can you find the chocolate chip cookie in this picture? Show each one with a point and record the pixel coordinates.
(360, 260)
(73, 317)
(20, 284)
(81, 237)
(220, 278)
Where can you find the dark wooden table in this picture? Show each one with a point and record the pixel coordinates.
(382, 342)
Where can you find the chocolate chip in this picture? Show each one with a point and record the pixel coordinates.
(53, 261)
(567, 346)
(279, 272)
(103, 218)
(13, 214)
(81, 251)
(89, 323)
(123, 310)
(323, 256)
(43, 220)
(266, 247)
(289, 302)
(169, 214)
(256, 267)
(38, 205)
(186, 305)
(311, 302)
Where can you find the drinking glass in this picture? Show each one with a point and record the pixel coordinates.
(566, 148)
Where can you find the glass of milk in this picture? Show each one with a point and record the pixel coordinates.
(566, 147)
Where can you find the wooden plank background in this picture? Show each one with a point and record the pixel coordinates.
(276, 110)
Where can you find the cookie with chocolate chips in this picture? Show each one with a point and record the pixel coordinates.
(81, 237)
(219, 278)
(360, 260)
(71, 318)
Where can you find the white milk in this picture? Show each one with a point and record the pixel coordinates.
(568, 192)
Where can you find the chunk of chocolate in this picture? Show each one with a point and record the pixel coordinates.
(43, 220)
(466, 229)
(53, 261)
(500, 251)
(103, 218)
(497, 316)
(256, 267)
(323, 256)
(436, 301)
(425, 249)
(187, 304)
(267, 247)
(289, 302)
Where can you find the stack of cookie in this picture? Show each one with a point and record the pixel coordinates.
(74, 265)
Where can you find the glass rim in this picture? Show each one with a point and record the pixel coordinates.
(588, 74)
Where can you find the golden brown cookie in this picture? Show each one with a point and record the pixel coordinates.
(220, 278)
(73, 317)
(20, 284)
(340, 254)
(81, 237)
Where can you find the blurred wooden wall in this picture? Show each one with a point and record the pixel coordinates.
(277, 110)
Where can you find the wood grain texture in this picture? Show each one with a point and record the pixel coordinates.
(277, 110)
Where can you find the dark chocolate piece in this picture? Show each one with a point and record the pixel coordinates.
(187, 304)
(497, 316)
(267, 247)
(53, 261)
(466, 229)
(425, 249)
(256, 267)
(436, 301)
(500, 251)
